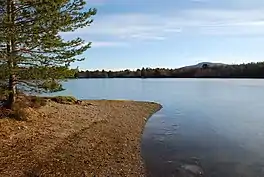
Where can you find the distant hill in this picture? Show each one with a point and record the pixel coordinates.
(200, 65)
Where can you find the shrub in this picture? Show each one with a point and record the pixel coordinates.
(36, 102)
(64, 99)
(18, 114)
(20, 109)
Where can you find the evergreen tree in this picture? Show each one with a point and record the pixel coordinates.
(33, 54)
(143, 73)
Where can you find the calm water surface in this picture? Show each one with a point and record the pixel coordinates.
(212, 126)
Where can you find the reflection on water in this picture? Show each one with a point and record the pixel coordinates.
(207, 127)
(170, 145)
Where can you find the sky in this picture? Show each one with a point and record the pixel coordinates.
(130, 34)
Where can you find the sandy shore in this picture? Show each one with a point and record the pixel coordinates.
(95, 138)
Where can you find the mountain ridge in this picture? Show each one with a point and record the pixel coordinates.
(200, 65)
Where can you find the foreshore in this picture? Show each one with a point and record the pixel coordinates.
(92, 138)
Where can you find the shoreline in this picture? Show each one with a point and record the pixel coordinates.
(94, 138)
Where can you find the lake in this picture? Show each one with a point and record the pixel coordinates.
(215, 125)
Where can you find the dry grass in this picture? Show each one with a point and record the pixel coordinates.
(23, 103)
(92, 138)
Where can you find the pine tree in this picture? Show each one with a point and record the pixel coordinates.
(33, 54)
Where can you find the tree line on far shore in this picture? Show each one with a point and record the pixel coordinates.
(250, 70)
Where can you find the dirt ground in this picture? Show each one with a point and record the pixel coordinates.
(94, 138)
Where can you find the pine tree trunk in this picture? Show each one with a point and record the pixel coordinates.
(12, 92)
(10, 49)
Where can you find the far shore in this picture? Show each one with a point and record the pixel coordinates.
(91, 138)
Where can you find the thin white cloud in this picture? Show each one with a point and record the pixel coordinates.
(108, 44)
(146, 36)
(138, 26)
(130, 27)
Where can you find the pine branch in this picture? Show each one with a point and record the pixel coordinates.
(30, 44)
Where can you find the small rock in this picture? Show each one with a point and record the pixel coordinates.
(193, 169)
(85, 174)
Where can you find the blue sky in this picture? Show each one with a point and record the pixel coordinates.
(172, 33)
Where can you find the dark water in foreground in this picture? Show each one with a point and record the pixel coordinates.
(211, 126)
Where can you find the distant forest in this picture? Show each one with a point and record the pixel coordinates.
(250, 70)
